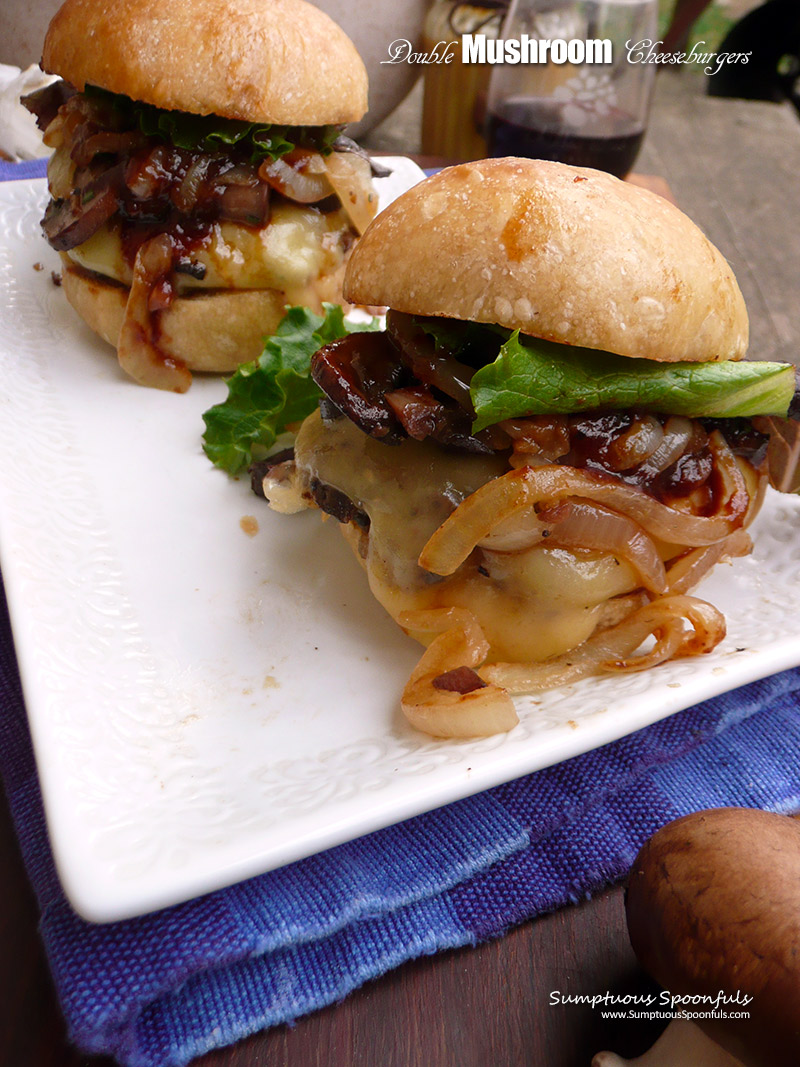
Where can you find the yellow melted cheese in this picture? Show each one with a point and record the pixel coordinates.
(531, 604)
(298, 245)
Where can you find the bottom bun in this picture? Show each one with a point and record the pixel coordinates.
(211, 330)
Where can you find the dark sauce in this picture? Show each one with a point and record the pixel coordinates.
(592, 446)
(187, 236)
(689, 473)
(593, 436)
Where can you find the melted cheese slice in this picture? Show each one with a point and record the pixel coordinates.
(298, 245)
(531, 604)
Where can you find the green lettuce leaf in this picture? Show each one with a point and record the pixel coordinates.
(209, 133)
(469, 342)
(535, 377)
(275, 390)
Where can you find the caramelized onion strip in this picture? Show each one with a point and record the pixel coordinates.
(301, 176)
(444, 712)
(537, 440)
(186, 194)
(578, 524)
(735, 495)
(686, 571)
(636, 444)
(756, 482)
(595, 527)
(681, 626)
(137, 349)
(520, 531)
(350, 176)
(484, 510)
(677, 435)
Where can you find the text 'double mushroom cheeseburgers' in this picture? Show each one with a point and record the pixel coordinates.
(551, 442)
(200, 179)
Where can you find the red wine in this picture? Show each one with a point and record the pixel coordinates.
(536, 129)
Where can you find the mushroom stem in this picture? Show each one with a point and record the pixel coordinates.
(683, 1044)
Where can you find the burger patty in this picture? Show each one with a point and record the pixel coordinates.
(687, 475)
(299, 245)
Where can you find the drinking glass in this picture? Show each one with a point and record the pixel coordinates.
(586, 114)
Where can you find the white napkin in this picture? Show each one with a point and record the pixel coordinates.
(19, 135)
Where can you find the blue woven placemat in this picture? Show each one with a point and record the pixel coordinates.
(31, 168)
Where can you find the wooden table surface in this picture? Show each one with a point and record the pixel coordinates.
(733, 166)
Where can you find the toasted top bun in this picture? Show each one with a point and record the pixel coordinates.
(276, 61)
(558, 252)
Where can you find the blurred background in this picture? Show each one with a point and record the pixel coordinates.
(401, 131)
(395, 117)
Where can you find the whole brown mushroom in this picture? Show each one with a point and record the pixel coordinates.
(713, 908)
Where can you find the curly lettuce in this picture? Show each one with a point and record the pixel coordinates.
(268, 395)
(210, 133)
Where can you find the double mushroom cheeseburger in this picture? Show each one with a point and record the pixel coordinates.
(200, 179)
(549, 445)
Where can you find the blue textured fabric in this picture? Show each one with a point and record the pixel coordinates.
(31, 168)
(158, 990)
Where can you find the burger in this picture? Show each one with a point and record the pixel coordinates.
(200, 180)
(552, 441)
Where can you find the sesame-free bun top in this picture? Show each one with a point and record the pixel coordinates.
(559, 252)
(270, 61)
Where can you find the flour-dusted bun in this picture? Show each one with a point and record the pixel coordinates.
(569, 254)
(269, 61)
(215, 235)
(210, 330)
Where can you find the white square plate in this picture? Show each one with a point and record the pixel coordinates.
(207, 705)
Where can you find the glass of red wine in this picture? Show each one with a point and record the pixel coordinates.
(586, 97)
